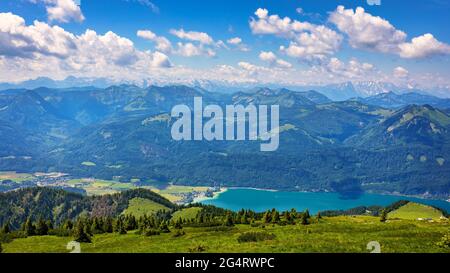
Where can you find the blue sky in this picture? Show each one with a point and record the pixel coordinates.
(334, 46)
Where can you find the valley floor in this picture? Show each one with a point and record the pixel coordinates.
(330, 234)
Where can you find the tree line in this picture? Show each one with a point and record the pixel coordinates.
(84, 228)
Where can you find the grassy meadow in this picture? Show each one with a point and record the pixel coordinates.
(139, 207)
(329, 234)
(414, 211)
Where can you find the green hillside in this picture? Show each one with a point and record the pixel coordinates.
(140, 206)
(414, 211)
(187, 214)
(122, 133)
(59, 205)
(331, 234)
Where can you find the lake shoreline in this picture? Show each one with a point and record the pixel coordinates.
(224, 189)
(216, 194)
(244, 197)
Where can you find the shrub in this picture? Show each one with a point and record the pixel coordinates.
(197, 249)
(179, 233)
(151, 232)
(445, 241)
(7, 238)
(255, 237)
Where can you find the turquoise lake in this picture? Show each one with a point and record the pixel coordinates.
(261, 200)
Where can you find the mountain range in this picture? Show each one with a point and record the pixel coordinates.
(395, 143)
(336, 91)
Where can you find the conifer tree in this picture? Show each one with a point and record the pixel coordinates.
(307, 215)
(383, 216)
(30, 229)
(163, 227)
(131, 223)
(287, 217)
(120, 226)
(178, 224)
(68, 225)
(304, 219)
(6, 228)
(319, 216)
(228, 220)
(41, 227)
(275, 217)
(244, 219)
(267, 217)
(96, 227)
(108, 225)
(293, 213)
(87, 226)
(80, 235)
(49, 224)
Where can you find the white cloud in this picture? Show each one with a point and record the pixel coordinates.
(42, 49)
(283, 64)
(234, 41)
(162, 43)
(183, 49)
(374, 33)
(366, 31)
(19, 40)
(423, 46)
(400, 72)
(267, 56)
(237, 43)
(62, 10)
(352, 70)
(271, 58)
(39, 49)
(160, 60)
(196, 36)
(191, 50)
(307, 41)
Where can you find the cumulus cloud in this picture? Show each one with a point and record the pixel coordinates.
(352, 70)
(20, 40)
(237, 43)
(423, 46)
(271, 58)
(400, 72)
(40, 48)
(162, 43)
(234, 41)
(267, 56)
(369, 32)
(191, 50)
(62, 10)
(196, 36)
(307, 41)
(187, 49)
(366, 31)
(160, 60)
